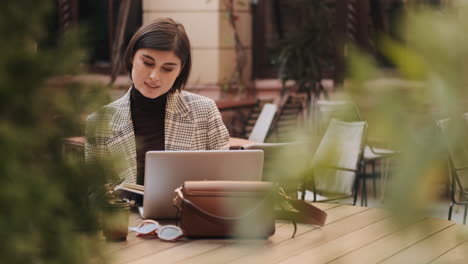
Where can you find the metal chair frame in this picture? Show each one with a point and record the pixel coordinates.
(369, 157)
(454, 183)
(456, 186)
(357, 168)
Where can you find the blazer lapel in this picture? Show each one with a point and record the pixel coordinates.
(178, 131)
(179, 126)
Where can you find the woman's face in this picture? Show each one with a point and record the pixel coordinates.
(154, 71)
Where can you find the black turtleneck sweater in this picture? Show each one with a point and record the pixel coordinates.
(148, 125)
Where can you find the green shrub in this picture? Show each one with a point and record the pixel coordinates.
(48, 198)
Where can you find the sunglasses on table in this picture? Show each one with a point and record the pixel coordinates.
(149, 227)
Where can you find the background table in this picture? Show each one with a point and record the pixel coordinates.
(351, 235)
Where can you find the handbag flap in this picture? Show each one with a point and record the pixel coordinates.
(227, 188)
(226, 209)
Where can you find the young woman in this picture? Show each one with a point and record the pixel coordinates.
(155, 114)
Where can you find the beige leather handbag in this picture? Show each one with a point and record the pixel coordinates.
(244, 209)
(226, 209)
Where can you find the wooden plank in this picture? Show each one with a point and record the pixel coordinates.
(182, 251)
(345, 244)
(351, 235)
(338, 213)
(135, 248)
(314, 238)
(431, 247)
(139, 251)
(115, 246)
(154, 248)
(143, 247)
(325, 206)
(135, 220)
(459, 254)
(241, 248)
(389, 245)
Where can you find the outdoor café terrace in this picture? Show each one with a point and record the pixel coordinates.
(358, 133)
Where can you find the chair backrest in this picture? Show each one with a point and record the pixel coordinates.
(339, 109)
(457, 151)
(263, 123)
(336, 160)
(252, 116)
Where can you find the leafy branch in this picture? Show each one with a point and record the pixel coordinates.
(236, 78)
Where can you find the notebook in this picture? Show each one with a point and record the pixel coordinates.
(167, 170)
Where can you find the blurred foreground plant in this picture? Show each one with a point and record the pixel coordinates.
(49, 199)
(432, 63)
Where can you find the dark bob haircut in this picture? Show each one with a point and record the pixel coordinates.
(167, 35)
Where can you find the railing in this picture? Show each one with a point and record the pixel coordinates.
(235, 114)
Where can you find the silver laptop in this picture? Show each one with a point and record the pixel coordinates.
(167, 170)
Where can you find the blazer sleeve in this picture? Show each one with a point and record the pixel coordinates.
(95, 147)
(90, 147)
(218, 135)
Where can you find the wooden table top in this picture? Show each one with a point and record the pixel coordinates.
(236, 143)
(352, 234)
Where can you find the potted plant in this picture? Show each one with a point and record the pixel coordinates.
(306, 51)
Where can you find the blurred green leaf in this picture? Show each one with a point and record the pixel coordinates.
(50, 199)
(427, 84)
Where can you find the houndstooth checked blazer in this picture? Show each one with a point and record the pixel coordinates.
(192, 122)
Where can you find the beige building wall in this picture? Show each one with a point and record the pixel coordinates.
(211, 36)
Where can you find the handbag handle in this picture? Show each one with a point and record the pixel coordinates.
(179, 199)
(305, 212)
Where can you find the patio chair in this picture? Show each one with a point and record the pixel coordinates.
(263, 123)
(336, 163)
(457, 164)
(250, 119)
(347, 111)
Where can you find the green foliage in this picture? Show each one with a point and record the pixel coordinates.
(304, 54)
(49, 199)
(431, 61)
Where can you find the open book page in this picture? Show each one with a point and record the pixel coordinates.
(133, 188)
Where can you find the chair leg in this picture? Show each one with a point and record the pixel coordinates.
(450, 211)
(356, 185)
(356, 189)
(374, 175)
(364, 197)
(464, 215)
(364, 188)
